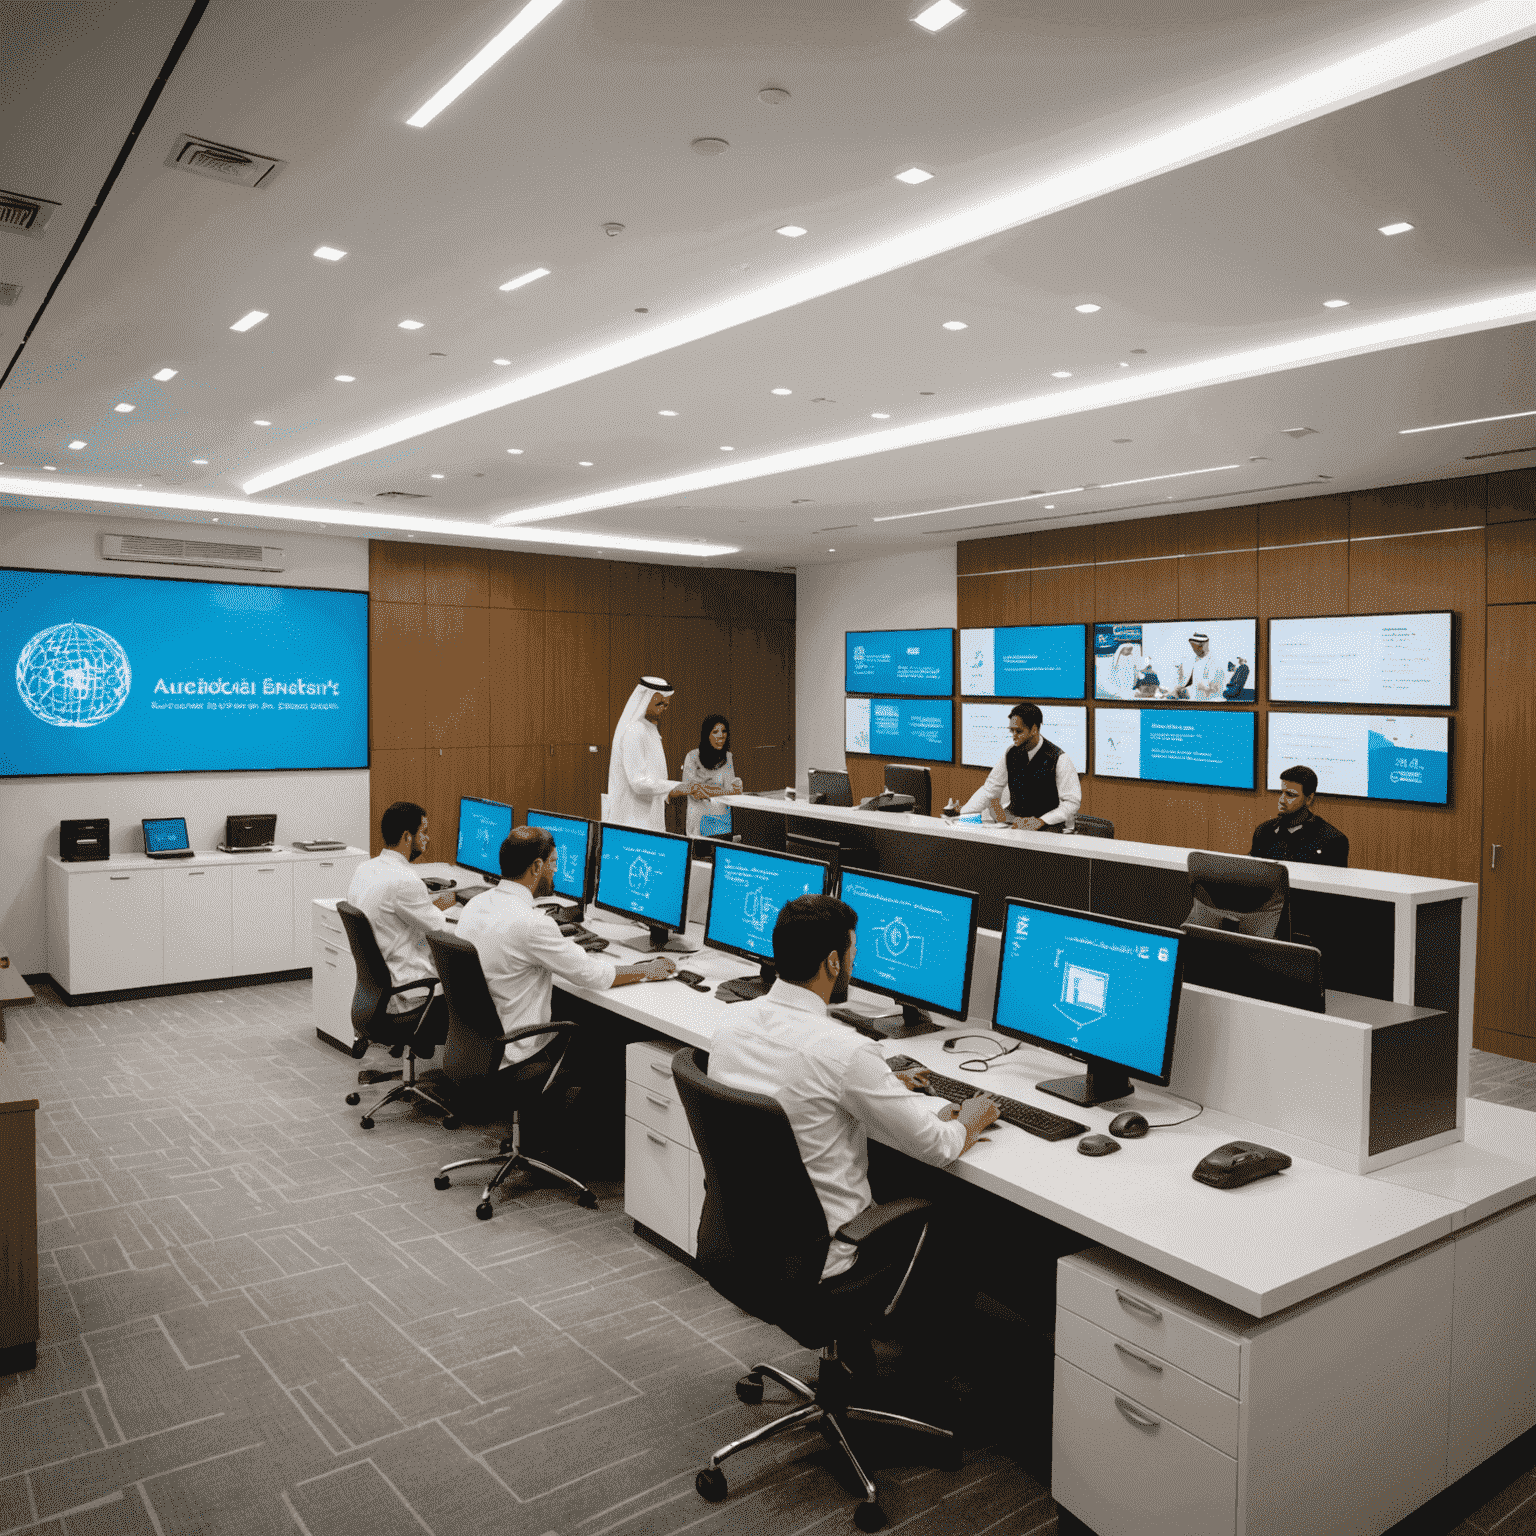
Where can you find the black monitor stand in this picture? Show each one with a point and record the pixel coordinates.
(906, 1025)
(1102, 1082)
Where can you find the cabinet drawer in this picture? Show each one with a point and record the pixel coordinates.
(1126, 1471)
(1138, 1374)
(649, 1063)
(660, 1108)
(1148, 1322)
(656, 1182)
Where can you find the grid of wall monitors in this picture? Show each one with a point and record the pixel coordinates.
(1193, 661)
(1176, 746)
(913, 661)
(1028, 661)
(908, 730)
(984, 734)
(1379, 658)
(1373, 757)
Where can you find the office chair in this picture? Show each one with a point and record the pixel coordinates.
(411, 1034)
(1241, 895)
(1094, 826)
(762, 1242)
(482, 1087)
(828, 788)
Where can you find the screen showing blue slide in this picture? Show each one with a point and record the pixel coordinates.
(1374, 757)
(1175, 746)
(133, 674)
(914, 942)
(643, 873)
(1087, 986)
(1027, 661)
(915, 730)
(570, 834)
(900, 661)
(164, 833)
(483, 828)
(748, 891)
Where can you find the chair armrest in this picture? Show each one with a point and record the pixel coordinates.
(875, 1219)
(430, 982)
(555, 1027)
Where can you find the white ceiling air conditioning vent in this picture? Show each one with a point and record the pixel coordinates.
(157, 551)
(402, 496)
(223, 162)
(25, 215)
(9, 293)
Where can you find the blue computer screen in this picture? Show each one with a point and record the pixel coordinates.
(911, 730)
(1175, 746)
(1024, 661)
(645, 873)
(164, 833)
(483, 828)
(913, 941)
(747, 892)
(134, 674)
(1087, 986)
(900, 661)
(570, 834)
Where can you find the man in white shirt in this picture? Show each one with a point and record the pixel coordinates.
(1201, 676)
(1048, 790)
(398, 906)
(638, 786)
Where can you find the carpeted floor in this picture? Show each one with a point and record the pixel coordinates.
(259, 1317)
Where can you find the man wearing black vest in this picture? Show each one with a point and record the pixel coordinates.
(1034, 785)
(1298, 833)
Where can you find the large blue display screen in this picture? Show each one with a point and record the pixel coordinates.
(1088, 987)
(900, 661)
(914, 942)
(132, 674)
(1027, 661)
(483, 828)
(921, 730)
(570, 834)
(746, 894)
(643, 873)
(1175, 746)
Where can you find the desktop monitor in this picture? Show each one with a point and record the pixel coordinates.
(916, 944)
(573, 846)
(250, 831)
(746, 894)
(165, 834)
(644, 875)
(909, 779)
(823, 849)
(483, 828)
(1097, 989)
(1267, 969)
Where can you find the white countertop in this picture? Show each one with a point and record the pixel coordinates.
(130, 862)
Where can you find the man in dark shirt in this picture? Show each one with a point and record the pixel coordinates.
(1296, 833)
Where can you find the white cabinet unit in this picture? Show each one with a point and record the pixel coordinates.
(663, 1176)
(199, 922)
(114, 933)
(263, 912)
(332, 972)
(324, 877)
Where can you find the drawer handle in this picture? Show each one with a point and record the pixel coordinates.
(1136, 1416)
(327, 864)
(659, 1103)
(660, 1141)
(1155, 1366)
(1136, 1304)
(332, 964)
(119, 877)
(270, 871)
(330, 949)
(665, 1068)
(196, 874)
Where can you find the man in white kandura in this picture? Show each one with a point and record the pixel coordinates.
(1201, 674)
(638, 786)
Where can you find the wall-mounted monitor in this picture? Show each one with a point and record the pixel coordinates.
(1175, 746)
(1376, 658)
(138, 674)
(984, 734)
(921, 730)
(920, 661)
(1025, 661)
(1187, 661)
(1370, 757)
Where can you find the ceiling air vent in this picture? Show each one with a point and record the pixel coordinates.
(25, 215)
(223, 162)
(401, 496)
(9, 293)
(158, 551)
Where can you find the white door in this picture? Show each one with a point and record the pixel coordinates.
(199, 936)
(263, 913)
(115, 931)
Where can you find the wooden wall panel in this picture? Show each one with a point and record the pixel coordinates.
(515, 677)
(575, 778)
(1011, 553)
(637, 646)
(1512, 496)
(576, 681)
(637, 589)
(394, 572)
(515, 776)
(456, 652)
(516, 580)
(682, 591)
(394, 774)
(1399, 509)
(987, 602)
(450, 773)
(576, 586)
(697, 655)
(1512, 563)
(762, 706)
(455, 578)
(1061, 594)
(1136, 589)
(397, 684)
(1224, 586)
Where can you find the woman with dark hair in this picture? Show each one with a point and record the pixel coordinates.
(708, 771)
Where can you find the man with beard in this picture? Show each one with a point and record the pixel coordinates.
(1034, 784)
(1297, 833)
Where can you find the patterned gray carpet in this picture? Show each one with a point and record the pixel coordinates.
(258, 1317)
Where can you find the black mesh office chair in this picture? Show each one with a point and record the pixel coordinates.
(482, 1087)
(1094, 826)
(412, 1034)
(828, 788)
(1241, 895)
(762, 1242)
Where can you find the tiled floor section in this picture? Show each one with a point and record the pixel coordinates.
(260, 1318)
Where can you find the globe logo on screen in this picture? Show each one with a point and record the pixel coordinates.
(73, 675)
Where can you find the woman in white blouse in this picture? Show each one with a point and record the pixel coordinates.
(709, 771)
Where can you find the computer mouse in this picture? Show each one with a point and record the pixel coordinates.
(1236, 1163)
(1098, 1146)
(1129, 1126)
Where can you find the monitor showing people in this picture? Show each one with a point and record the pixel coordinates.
(1206, 661)
(1034, 784)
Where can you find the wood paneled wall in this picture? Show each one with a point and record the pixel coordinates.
(498, 674)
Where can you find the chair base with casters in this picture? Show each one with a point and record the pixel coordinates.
(512, 1159)
(407, 1088)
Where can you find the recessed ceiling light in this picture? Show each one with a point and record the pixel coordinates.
(791, 231)
(246, 321)
(939, 15)
(1475, 421)
(52, 469)
(78, 444)
(1335, 303)
(1395, 229)
(954, 325)
(411, 325)
(727, 448)
(1087, 309)
(528, 277)
(1061, 374)
(503, 43)
(260, 423)
(831, 551)
(122, 408)
(437, 477)
(346, 378)
(165, 374)
(200, 461)
(1050, 506)
(584, 463)
(328, 253)
(666, 413)
(514, 450)
(502, 362)
(914, 177)
(881, 415)
(1125, 365)
(781, 391)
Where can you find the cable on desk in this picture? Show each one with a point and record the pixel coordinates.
(1163, 1125)
(981, 1063)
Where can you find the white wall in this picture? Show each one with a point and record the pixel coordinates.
(309, 804)
(893, 592)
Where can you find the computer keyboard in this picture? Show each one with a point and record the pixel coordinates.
(1038, 1122)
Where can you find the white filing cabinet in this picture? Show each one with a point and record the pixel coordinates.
(663, 1176)
(324, 877)
(332, 972)
(113, 930)
(263, 914)
(198, 918)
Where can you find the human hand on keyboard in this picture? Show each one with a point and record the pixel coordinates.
(976, 1114)
(915, 1078)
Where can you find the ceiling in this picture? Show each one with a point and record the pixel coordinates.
(590, 120)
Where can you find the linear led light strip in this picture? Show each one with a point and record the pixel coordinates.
(1485, 314)
(1454, 39)
(332, 517)
(1476, 421)
(500, 45)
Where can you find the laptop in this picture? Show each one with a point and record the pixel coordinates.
(249, 834)
(165, 837)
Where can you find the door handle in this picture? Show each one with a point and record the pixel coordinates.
(1494, 863)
